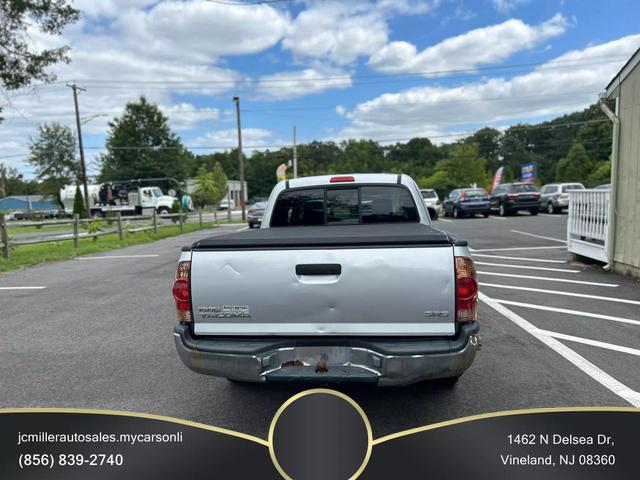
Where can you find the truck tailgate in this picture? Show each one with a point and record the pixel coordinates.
(358, 280)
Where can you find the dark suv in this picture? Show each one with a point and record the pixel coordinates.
(511, 197)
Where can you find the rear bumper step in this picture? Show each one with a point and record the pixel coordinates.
(385, 361)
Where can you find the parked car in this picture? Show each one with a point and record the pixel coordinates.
(467, 201)
(508, 198)
(604, 186)
(255, 214)
(554, 197)
(331, 289)
(226, 204)
(432, 202)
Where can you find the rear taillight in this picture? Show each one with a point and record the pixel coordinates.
(182, 292)
(512, 196)
(466, 291)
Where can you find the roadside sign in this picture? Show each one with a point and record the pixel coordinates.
(528, 172)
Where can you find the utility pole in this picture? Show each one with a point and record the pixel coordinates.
(3, 179)
(295, 154)
(236, 100)
(83, 169)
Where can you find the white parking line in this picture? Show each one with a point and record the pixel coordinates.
(568, 311)
(586, 341)
(603, 378)
(110, 257)
(547, 279)
(513, 249)
(539, 236)
(568, 294)
(520, 258)
(443, 220)
(527, 267)
(22, 288)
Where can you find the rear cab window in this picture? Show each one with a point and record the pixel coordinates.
(523, 188)
(344, 206)
(474, 193)
(568, 188)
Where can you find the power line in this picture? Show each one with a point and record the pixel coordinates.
(177, 114)
(553, 65)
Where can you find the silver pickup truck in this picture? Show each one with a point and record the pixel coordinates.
(345, 281)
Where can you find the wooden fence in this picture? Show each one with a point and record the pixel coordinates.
(118, 221)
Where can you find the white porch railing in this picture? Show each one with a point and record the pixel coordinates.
(588, 224)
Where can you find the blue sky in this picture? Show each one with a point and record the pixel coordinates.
(381, 69)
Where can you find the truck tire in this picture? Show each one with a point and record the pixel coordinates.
(456, 213)
(534, 211)
(163, 211)
(502, 211)
(98, 214)
(550, 208)
(485, 214)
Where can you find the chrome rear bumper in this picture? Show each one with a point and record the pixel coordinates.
(385, 362)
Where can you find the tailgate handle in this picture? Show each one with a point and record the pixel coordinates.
(319, 269)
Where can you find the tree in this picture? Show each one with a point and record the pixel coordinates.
(575, 167)
(15, 184)
(462, 169)
(205, 188)
(53, 153)
(601, 175)
(21, 62)
(78, 203)
(140, 144)
(220, 182)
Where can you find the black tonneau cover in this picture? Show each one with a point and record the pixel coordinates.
(381, 234)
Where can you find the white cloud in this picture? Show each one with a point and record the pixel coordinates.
(292, 84)
(505, 6)
(199, 30)
(477, 47)
(108, 8)
(340, 32)
(252, 139)
(565, 84)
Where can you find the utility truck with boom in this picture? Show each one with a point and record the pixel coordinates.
(131, 197)
(346, 280)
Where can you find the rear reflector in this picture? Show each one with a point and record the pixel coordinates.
(466, 291)
(182, 291)
(346, 178)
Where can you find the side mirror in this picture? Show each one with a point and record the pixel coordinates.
(432, 214)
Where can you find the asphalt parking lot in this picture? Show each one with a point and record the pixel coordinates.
(96, 332)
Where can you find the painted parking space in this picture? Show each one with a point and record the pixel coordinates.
(590, 317)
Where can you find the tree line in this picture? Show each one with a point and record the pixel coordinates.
(141, 144)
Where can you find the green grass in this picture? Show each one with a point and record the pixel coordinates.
(28, 255)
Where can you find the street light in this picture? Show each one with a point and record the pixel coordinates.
(236, 100)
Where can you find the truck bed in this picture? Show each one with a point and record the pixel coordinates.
(350, 236)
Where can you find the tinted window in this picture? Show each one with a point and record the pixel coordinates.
(342, 206)
(299, 207)
(387, 204)
(523, 187)
(428, 194)
(568, 188)
(381, 204)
